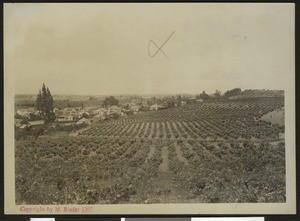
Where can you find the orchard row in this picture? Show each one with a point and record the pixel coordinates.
(89, 170)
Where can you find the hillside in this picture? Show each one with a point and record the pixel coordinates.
(211, 152)
(229, 119)
(250, 93)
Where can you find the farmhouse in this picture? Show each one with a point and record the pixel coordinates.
(36, 123)
(26, 112)
(114, 110)
(18, 122)
(135, 108)
(24, 126)
(84, 120)
(100, 114)
(99, 111)
(67, 118)
(91, 110)
(156, 107)
(58, 113)
(82, 113)
(70, 109)
(31, 124)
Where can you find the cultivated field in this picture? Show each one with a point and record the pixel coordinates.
(210, 152)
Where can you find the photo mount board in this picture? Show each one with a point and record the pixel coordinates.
(212, 208)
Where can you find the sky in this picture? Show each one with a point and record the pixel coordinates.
(101, 49)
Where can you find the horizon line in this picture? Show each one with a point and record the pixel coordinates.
(145, 94)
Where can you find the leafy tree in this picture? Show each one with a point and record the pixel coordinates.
(110, 101)
(126, 107)
(232, 92)
(217, 94)
(85, 115)
(170, 104)
(144, 108)
(24, 121)
(18, 116)
(129, 113)
(91, 98)
(115, 116)
(45, 105)
(204, 96)
(37, 132)
(179, 99)
(34, 117)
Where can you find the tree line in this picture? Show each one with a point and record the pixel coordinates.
(218, 94)
(45, 103)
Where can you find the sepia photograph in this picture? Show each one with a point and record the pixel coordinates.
(173, 108)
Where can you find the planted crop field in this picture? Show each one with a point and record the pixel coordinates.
(224, 120)
(211, 152)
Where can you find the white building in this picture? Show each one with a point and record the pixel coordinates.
(66, 118)
(156, 107)
(26, 112)
(84, 120)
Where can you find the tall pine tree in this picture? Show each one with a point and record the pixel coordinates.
(45, 105)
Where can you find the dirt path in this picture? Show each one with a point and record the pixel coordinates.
(167, 186)
(179, 154)
(170, 129)
(158, 127)
(164, 130)
(141, 129)
(175, 128)
(151, 152)
(146, 129)
(209, 153)
(122, 132)
(151, 129)
(129, 130)
(189, 129)
(275, 117)
(164, 166)
(183, 129)
(134, 131)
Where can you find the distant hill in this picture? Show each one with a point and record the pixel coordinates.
(251, 93)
